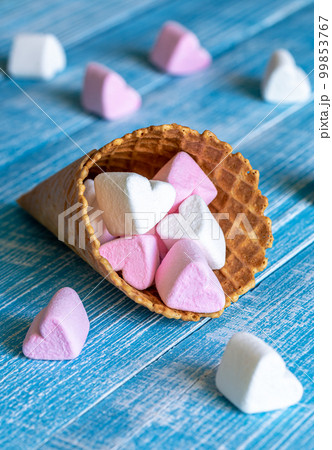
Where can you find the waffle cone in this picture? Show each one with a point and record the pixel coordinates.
(145, 151)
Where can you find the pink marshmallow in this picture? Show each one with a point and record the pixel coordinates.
(185, 281)
(178, 51)
(136, 256)
(106, 93)
(161, 245)
(60, 330)
(187, 178)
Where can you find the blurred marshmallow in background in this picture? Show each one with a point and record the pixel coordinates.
(36, 56)
(284, 81)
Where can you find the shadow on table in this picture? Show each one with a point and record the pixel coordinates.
(141, 57)
(69, 97)
(21, 243)
(13, 343)
(248, 86)
(301, 188)
(201, 380)
(3, 66)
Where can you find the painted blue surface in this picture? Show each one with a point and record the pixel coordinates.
(143, 381)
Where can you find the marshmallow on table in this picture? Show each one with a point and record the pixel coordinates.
(284, 80)
(185, 281)
(36, 56)
(95, 215)
(178, 51)
(137, 257)
(254, 377)
(106, 93)
(132, 204)
(187, 178)
(60, 330)
(195, 221)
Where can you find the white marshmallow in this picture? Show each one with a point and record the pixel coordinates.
(254, 377)
(95, 214)
(132, 204)
(36, 56)
(284, 81)
(195, 221)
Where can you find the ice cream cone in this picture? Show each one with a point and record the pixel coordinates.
(58, 200)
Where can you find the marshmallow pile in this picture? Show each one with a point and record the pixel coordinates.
(161, 232)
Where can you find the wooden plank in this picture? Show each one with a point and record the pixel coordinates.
(220, 88)
(47, 160)
(173, 403)
(46, 396)
(86, 18)
(119, 329)
(113, 353)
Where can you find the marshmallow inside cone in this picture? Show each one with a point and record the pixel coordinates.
(185, 281)
(161, 245)
(137, 257)
(187, 178)
(132, 204)
(60, 330)
(284, 81)
(254, 377)
(195, 221)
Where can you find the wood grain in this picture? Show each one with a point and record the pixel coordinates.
(143, 381)
(125, 49)
(117, 326)
(174, 401)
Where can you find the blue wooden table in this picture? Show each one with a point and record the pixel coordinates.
(143, 381)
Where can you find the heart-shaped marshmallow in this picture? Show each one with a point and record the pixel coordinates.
(195, 221)
(254, 377)
(60, 330)
(284, 81)
(178, 51)
(185, 281)
(106, 93)
(132, 204)
(36, 56)
(187, 178)
(137, 257)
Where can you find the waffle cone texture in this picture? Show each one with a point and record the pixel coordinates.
(145, 151)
